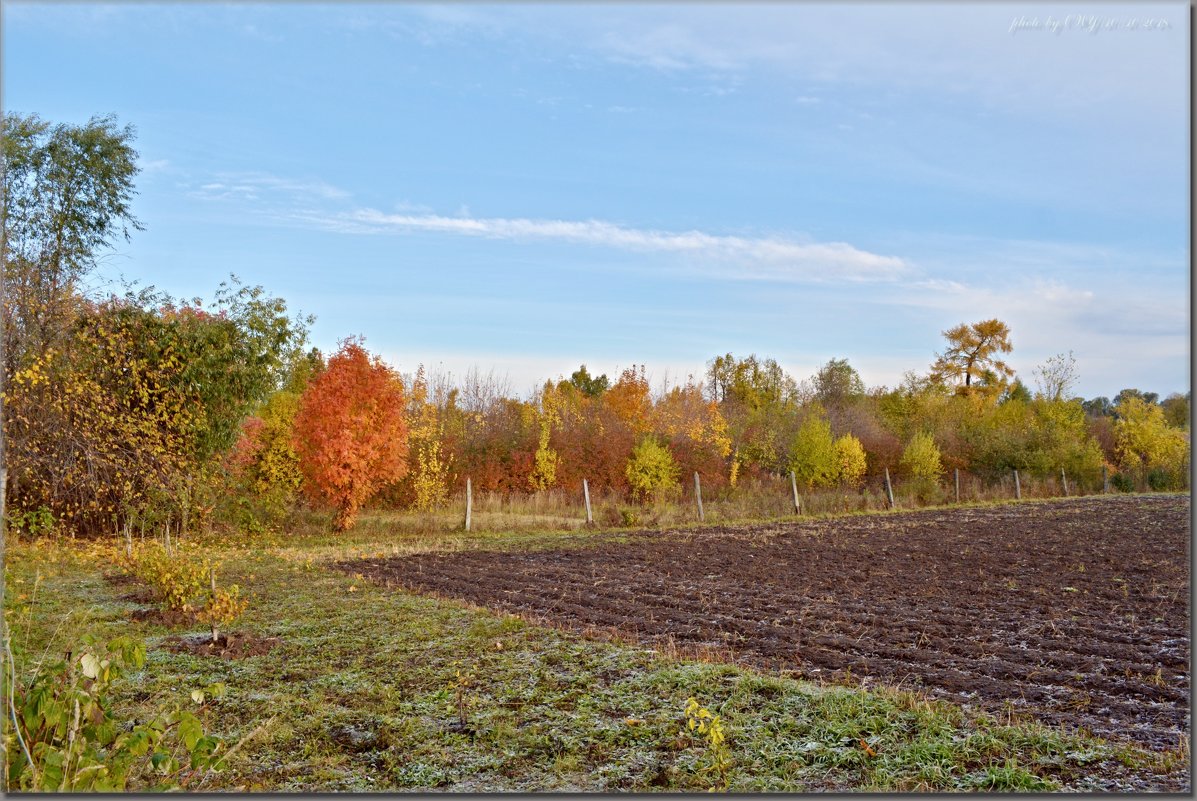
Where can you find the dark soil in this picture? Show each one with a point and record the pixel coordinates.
(233, 645)
(1073, 612)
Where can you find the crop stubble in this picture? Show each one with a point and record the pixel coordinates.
(1075, 612)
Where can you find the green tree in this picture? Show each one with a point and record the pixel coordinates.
(67, 196)
(1176, 410)
(1017, 391)
(837, 383)
(972, 356)
(813, 455)
(921, 458)
(1127, 394)
(1098, 407)
(591, 386)
(757, 399)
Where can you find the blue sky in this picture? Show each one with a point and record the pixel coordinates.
(529, 187)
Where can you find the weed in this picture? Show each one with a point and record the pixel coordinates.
(709, 727)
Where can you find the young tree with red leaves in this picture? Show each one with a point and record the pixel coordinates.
(350, 433)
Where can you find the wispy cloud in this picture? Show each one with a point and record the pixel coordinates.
(253, 186)
(770, 258)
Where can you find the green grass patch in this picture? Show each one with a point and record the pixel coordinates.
(375, 689)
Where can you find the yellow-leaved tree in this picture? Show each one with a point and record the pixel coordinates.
(1148, 446)
(851, 460)
(971, 361)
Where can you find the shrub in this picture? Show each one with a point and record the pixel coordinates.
(174, 578)
(921, 459)
(850, 460)
(223, 607)
(1122, 482)
(39, 522)
(652, 472)
(65, 737)
(1160, 479)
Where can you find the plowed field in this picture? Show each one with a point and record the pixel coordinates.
(1075, 612)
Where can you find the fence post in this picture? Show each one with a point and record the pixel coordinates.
(1017, 487)
(1064, 480)
(586, 495)
(889, 489)
(469, 502)
(698, 495)
(956, 475)
(1105, 479)
(794, 489)
(128, 537)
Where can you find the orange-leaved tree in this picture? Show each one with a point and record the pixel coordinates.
(349, 432)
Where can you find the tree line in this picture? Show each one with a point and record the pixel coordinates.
(133, 408)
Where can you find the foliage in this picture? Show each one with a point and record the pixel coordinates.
(591, 386)
(176, 579)
(350, 433)
(223, 606)
(67, 739)
(652, 472)
(1040, 436)
(234, 357)
(545, 459)
(921, 458)
(136, 404)
(428, 464)
(96, 427)
(67, 195)
(1018, 393)
(759, 401)
(837, 383)
(1146, 443)
(813, 454)
(1176, 410)
(37, 522)
(263, 465)
(971, 356)
(629, 399)
(851, 462)
(709, 727)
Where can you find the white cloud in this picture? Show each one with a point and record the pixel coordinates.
(762, 258)
(1121, 336)
(253, 185)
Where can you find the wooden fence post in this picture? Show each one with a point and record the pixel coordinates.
(1017, 487)
(889, 489)
(469, 502)
(586, 495)
(1105, 479)
(698, 495)
(956, 474)
(212, 578)
(1064, 480)
(794, 489)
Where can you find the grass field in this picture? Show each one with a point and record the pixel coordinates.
(372, 688)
